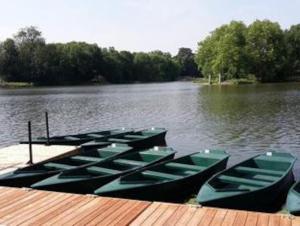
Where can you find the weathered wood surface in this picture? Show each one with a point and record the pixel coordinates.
(34, 207)
(16, 156)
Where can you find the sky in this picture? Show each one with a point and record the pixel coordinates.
(138, 25)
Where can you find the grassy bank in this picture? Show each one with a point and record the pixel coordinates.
(14, 85)
(241, 81)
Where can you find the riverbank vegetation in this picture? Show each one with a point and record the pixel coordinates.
(261, 51)
(27, 58)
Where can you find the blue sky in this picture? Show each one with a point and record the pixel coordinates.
(138, 25)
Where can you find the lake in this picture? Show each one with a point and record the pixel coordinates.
(244, 120)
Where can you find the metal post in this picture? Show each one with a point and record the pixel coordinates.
(30, 143)
(47, 128)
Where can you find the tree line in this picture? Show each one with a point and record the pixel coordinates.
(261, 50)
(28, 58)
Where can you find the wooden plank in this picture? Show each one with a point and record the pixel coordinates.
(43, 216)
(209, 216)
(132, 214)
(195, 220)
(251, 219)
(285, 221)
(80, 213)
(240, 218)
(17, 212)
(274, 220)
(107, 204)
(219, 217)
(30, 198)
(143, 216)
(105, 214)
(10, 197)
(263, 219)
(296, 221)
(115, 214)
(188, 214)
(176, 215)
(229, 218)
(37, 209)
(155, 215)
(69, 211)
(165, 216)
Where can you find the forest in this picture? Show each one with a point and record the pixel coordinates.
(261, 51)
(28, 58)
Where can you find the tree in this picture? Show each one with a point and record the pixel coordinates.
(265, 47)
(292, 43)
(185, 58)
(28, 40)
(223, 51)
(9, 59)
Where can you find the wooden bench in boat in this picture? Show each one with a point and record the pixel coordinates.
(184, 166)
(129, 162)
(71, 138)
(118, 140)
(260, 171)
(135, 136)
(101, 170)
(160, 175)
(238, 180)
(93, 135)
(80, 158)
(58, 166)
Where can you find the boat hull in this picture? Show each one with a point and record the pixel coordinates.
(88, 186)
(171, 191)
(269, 199)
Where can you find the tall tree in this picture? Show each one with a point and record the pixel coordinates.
(28, 40)
(186, 60)
(292, 43)
(223, 51)
(9, 59)
(265, 47)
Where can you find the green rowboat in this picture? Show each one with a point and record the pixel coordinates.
(88, 178)
(172, 180)
(293, 199)
(78, 139)
(259, 183)
(24, 177)
(138, 139)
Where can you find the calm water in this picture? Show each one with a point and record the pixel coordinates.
(243, 120)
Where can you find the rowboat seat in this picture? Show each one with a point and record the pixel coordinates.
(79, 158)
(238, 180)
(160, 176)
(101, 170)
(260, 171)
(58, 166)
(129, 162)
(184, 166)
(118, 140)
(272, 158)
(135, 136)
(71, 138)
(93, 135)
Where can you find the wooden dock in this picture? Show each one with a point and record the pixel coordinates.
(33, 207)
(16, 156)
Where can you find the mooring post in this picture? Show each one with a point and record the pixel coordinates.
(47, 128)
(30, 143)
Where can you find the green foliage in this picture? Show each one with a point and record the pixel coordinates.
(262, 49)
(27, 58)
(265, 44)
(185, 58)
